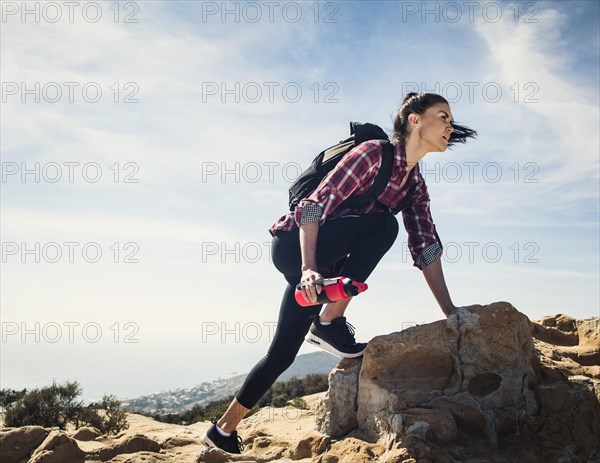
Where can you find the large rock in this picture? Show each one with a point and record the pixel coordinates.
(18, 443)
(568, 345)
(310, 446)
(86, 433)
(473, 386)
(476, 365)
(127, 444)
(57, 448)
(568, 423)
(336, 412)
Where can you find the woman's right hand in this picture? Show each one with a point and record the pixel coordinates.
(308, 288)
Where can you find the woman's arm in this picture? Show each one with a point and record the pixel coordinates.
(435, 279)
(308, 250)
(308, 245)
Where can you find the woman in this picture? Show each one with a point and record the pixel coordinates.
(324, 238)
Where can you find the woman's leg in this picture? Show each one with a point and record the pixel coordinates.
(360, 242)
(363, 239)
(232, 417)
(334, 310)
(379, 232)
(292, 325)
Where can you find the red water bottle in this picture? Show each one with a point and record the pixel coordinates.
(333, 289)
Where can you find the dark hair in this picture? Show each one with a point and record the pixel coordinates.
(418, 103)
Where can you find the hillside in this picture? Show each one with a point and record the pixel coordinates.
(181, 400)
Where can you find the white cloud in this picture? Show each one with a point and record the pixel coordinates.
(28, 224)
(172, 135)
(537, 53)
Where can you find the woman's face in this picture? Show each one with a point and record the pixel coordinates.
(434, 127)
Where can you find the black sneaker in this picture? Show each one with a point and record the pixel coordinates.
(336, 338)
(231, 444)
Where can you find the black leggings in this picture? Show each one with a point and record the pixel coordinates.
(350, 246)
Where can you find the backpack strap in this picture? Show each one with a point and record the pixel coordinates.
(385, 171)
(402, 204)
(381, 180)
(405, 201)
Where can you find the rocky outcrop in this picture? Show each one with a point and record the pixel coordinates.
(310, 445)
(57, 448)
(17, 444)
(127, 444)
(477, 385)
(336, 414)
(569, 346)
(86, 433)
(34, 444)
(485, 385)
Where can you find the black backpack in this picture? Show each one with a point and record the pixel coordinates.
(327, 159)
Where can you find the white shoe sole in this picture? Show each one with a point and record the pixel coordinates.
(207, 442)
(317, 341)
(211, 445)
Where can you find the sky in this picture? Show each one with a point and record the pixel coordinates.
(148, 146)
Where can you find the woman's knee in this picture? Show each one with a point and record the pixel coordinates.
(285, 252)
(390, 229)
(391, 224)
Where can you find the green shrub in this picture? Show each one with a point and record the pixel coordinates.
(49, 406)
(107, 416)
(300, 403)
(280, 400)
(8, 396)
(57, 406)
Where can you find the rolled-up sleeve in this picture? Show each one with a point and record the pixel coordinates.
(356, 169)
(428, 255)
(423, 241)
(310, 212)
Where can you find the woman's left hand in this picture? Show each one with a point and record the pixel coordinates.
(451, 311)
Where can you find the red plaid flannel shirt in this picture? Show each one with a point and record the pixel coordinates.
(354, 175)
